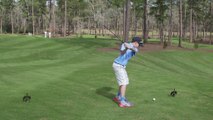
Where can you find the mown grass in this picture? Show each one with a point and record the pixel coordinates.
(72, 79)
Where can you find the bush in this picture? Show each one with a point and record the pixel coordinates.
(196, 45)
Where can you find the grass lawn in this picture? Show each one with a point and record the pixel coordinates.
(72, 79)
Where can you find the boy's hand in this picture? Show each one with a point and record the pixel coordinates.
(127, 45)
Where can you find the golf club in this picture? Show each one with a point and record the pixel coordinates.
(118, 38)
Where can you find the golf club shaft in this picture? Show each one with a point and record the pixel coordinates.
(114, 34)
(138, 61)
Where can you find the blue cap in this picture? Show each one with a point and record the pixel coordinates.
(138, 40)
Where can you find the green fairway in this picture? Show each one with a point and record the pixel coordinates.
(72, 79)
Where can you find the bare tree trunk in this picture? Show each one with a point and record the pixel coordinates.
(1, 23)
(102, 27)
(69, 26)
(124, 21)
(127, 20)
(38, 27)
(119, 28)
(25, 27)
(41, 24)
(89, 26)
(135, 23)
(116, 25)
(18, 23)
(95, 29)
(204, 31)
(210, 41)
(78, 27)
(53, 12)
(185, 22)
(194, 28)
(65, 18)
(119, 31)
(153, 28)
(135, 26)
(170, 23)
(180, 23)
(161, 33)
(50, 16)
(33, 17)
(11, 17)
(99, 30)
(191, 25)
(211, 26)
(145, 36)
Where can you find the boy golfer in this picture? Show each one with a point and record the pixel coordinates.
(127, 51)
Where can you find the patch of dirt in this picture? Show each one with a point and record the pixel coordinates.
(153, 47)
(150, 47)
(207, 40)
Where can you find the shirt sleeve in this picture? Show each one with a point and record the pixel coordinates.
(132, 47)
(135, 49)
(122, 47)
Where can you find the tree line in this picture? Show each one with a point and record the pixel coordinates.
(187, 19)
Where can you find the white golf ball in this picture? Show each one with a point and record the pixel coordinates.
(153, 99)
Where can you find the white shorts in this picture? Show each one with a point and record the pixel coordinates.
(121, 74)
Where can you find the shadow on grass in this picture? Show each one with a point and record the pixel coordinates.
(105, 91)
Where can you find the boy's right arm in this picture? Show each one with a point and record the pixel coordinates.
(123, 49)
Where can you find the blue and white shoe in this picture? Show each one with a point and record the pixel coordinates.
(125, 103)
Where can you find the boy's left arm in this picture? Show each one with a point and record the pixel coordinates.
(134, 49)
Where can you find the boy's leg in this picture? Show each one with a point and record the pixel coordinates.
(121, 93)
(122, 90)
(123, 102)
(123, 81)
